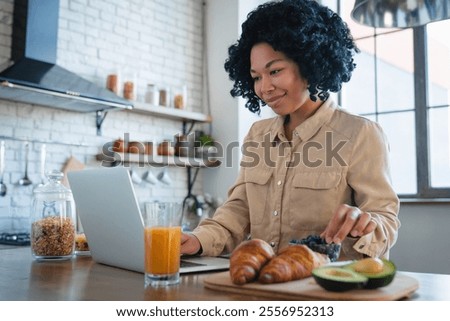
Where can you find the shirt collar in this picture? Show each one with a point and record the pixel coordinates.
(309, 127)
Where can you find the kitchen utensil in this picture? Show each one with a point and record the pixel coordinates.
(149, 177)
(135, 177)
(3, 188)
(164, 177)
(42, 169)
(25, 181)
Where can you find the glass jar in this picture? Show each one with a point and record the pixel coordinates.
(130, 86)
(152, 95)
(180, 97)
(164, 97)
(53, 220)
(129, 90)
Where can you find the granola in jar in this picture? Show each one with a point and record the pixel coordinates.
(53, 236)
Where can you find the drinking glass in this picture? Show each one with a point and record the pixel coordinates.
(162, 237)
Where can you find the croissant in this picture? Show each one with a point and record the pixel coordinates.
(292, 263)
(247, 260)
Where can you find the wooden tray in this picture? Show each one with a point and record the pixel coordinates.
(307, 289)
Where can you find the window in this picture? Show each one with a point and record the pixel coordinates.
(402, 81)
(438, 112)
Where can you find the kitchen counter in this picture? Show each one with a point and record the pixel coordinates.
(22, 278)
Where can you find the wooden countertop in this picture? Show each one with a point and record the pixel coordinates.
(22, 278)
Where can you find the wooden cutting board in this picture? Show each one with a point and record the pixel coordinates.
(307, 289)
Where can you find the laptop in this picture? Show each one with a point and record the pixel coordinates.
(109, 213)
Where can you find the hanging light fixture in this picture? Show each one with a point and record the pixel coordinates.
(399, 13)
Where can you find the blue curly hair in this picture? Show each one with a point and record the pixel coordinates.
(310, 34)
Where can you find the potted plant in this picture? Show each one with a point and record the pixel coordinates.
(207, 148)
(206, 140)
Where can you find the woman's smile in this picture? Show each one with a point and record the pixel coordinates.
(273, 101)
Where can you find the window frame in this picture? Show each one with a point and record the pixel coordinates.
(420, 109)
(424, 188)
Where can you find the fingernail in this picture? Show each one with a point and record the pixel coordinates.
(336, 240)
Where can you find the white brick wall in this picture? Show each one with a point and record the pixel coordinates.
(159, 41)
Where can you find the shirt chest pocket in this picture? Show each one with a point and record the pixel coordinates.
(313, 198)
(317, 180)
(257, 187)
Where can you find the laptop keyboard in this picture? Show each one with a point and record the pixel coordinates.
(189, 264)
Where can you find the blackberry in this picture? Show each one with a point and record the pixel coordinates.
(318, 244)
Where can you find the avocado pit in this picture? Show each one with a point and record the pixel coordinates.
(368, 265)
(379, 272)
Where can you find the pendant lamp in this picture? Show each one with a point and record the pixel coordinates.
(399, 13)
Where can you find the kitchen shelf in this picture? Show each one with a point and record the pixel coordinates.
(182, 115)
(156, 160)
(170, 113)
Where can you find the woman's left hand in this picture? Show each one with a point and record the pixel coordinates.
(348, 221)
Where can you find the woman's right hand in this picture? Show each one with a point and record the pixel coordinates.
(189, 244)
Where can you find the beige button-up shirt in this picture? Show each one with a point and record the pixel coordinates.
(289, 190)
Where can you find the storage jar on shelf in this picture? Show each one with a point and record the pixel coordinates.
(152, 95)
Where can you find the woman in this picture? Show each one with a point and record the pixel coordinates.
(314, 169)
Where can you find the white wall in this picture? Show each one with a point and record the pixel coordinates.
(158, 41)
(222, 27)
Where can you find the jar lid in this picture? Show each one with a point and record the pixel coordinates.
(53, 185)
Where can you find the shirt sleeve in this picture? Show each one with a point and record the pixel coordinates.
(369, 177)
(230, 224)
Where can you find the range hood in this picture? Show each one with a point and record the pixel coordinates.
(35, 78)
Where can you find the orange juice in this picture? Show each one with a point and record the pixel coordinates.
(162, 250)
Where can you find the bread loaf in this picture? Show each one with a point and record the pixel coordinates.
(247, 260)
(292, 263)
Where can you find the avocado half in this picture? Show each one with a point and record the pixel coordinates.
(368, 273)
(376, 277)
(338, 279)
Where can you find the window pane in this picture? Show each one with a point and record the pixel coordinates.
(358, 95)
(439, 129)
(332, 4)
(334, 97)
(400, 131)
(395, 71)
(438, 63)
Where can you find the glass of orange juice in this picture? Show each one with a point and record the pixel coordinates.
(162, 236)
